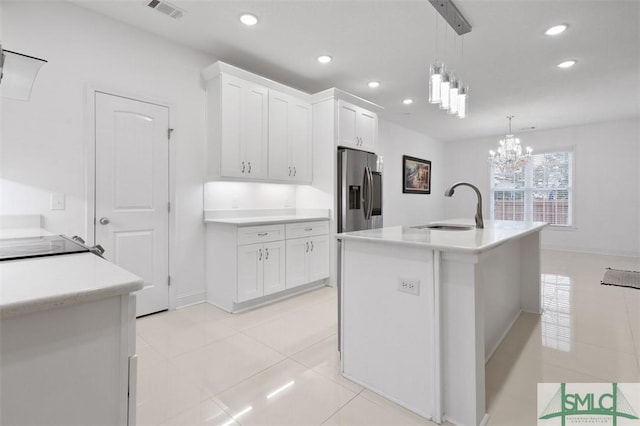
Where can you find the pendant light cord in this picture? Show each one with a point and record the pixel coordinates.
(436, 37)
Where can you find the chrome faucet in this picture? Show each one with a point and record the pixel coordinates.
(449, 193)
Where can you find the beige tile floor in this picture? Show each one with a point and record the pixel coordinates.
(278, 365)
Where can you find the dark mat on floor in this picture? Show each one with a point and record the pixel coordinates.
(621, 278)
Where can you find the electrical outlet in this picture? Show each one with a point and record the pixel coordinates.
(406, 285)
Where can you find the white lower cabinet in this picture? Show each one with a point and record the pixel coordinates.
(73, 364)
(307, 260)
(297, 262)
(245, 264)
(318, 258)
(261, 270)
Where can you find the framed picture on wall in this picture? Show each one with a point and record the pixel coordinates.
(417, 175)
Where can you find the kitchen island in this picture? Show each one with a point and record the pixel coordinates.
(422, 310)
(67, 340)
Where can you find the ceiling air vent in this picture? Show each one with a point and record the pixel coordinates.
(166, 8)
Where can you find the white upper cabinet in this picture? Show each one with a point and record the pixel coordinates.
(357, 127)
(257, 129)
(289, 138)
(243, 128)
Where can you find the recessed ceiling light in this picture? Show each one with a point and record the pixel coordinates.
(373, 84)
(555, 30)
(324, 59)
(566, 64)
(407, 101)
(248, 19)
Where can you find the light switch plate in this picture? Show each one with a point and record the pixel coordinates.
(57, 201)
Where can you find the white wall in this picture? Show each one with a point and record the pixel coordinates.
(43, 140)
(606, 183)
(410, 209)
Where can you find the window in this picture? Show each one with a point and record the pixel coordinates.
(541, 192)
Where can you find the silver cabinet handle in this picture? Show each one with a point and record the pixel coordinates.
(306, 245)
(308, 229)
(104, 221)
(243, 167)
(260, 258)
(263, 234)
(294, 170)
(249, 167)
(289, 170)
(311, 245)
(266, 255)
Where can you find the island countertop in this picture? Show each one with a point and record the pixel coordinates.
(30, 285)
(473, 241)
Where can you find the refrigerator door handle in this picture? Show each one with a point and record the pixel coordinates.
(370, 193)
(343, 193)
(365, 193)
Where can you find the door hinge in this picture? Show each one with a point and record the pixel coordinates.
(169, 280)
(169, 131)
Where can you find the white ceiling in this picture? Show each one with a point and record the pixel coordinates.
(506, 59)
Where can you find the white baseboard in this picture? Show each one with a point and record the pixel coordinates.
(190, 299)
(591, 251)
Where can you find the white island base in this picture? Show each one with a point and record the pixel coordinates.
(422, 311)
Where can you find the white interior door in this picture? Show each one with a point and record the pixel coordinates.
(132, 193)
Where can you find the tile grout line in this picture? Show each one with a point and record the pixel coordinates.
(340, 408)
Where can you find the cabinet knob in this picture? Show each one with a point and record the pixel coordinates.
(104, 221)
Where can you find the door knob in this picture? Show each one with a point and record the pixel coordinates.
(104, 221)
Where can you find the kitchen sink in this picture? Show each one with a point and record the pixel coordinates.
(444, 227)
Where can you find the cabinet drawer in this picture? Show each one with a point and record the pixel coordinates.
(260, 234)
(307, 229)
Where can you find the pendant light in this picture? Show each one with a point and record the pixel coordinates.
(435, 79)
(462, 101)
(445, 89)
(454, 88)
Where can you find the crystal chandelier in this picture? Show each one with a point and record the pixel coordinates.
(509, 159)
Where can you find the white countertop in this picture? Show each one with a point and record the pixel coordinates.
(472, 241)
(265, 220)
(264, 216)
(8, 233)
(30, 285)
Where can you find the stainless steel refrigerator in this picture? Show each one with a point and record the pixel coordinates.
(359, 190)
